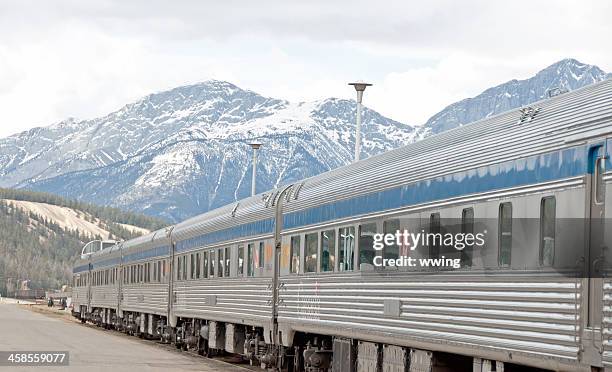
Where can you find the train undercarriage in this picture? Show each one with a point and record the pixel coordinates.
(309, 353)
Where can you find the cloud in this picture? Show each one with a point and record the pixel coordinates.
(84, 59)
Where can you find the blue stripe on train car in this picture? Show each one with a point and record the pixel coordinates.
(535, 169)
(160, 251)
(79, 269)
(241, 231)
(106, 263)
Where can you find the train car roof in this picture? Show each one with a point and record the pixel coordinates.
(253, 209)
(150, 240)
(547, 125)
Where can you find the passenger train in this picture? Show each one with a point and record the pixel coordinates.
(286, 278)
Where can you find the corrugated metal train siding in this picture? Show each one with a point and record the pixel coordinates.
(537, 315)
(606, 324)
(79, 297)
(106, 296)
(230, 300)
(145, 298)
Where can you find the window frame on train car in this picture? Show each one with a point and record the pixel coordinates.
(220, 262)
(501, 232)
(261, 255)
(250, 259)
(435, 227)
(385, 251)
(361, 237)
(228, 261)
(198, 265)
(543, 226)
(240, 261)
(191, 266)
(331, 250)
(466, 256)
(185, 267)
(213, 264)
(294, 264)
(342, 232)
(311, 263)
(205, 268)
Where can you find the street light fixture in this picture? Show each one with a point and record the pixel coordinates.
(360, 86)
(255, 146)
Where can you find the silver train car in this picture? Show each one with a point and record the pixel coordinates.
(292, 279)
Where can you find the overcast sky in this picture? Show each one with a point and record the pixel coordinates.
(87, 58)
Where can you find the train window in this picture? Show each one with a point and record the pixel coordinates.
(467, 227)
(328, 250)
(250, 259)
(505, 234)
(241, 260)
(205, 265)
(434, 228)
(197, 266)
(366, 243)
(179, 268)
(311, 243)
(163, 270)
(213, 264)
(295, 255)
(192, 267)
(391, 227)
(227, 262)
(185, 267)
(260, 255)
(346, 248)
(547, 230)
(220, 263)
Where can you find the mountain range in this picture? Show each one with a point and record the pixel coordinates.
(178, 153)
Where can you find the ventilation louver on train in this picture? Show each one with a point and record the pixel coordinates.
(527, 114)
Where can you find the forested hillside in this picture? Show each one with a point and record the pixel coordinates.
(38, 248)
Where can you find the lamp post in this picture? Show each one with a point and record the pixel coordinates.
(255, 146)
(359, 87)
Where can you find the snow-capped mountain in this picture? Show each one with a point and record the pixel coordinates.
(181, 152)
(565, 75)
(184, 151)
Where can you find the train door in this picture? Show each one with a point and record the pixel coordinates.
(595, 230)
